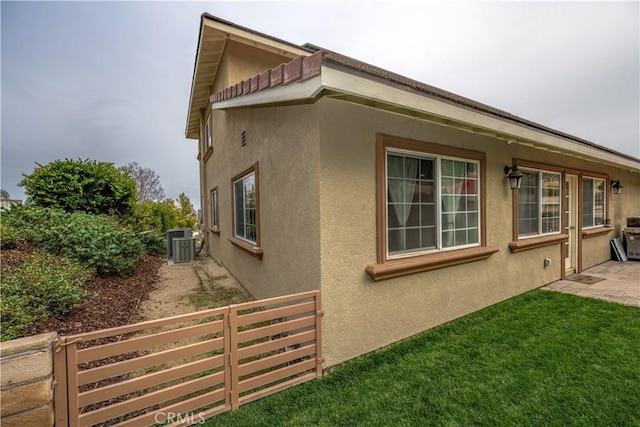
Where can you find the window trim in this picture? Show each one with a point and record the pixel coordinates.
(386, 268)
(250, 247)
(214, 214)
(207, 138)
(605, 206)
(437, 159)
(539, 172)
(519, 245)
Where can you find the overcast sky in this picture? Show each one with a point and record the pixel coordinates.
(111, 81)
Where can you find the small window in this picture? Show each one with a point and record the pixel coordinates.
(207, 133)
(245, 206)
(539, 201)
(593, 205)
(214, 209)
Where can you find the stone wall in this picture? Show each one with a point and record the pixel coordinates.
(26, 368)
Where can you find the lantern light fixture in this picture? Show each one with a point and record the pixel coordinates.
(616, 186)
(514, 175)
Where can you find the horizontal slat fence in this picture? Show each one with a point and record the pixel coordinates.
(187, 368)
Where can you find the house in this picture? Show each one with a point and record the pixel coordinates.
(8, 203)
(390, 196)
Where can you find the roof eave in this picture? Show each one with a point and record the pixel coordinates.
(214, 32)
(359, 89)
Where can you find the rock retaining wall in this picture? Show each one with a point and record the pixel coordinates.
(26, 368)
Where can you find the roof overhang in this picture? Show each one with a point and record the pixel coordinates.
(350, 87)
(213, 36)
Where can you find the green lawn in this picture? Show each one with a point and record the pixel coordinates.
(542, 358)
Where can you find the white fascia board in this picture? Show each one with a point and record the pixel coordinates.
(297, 91)
(246, 37)
(353, 85)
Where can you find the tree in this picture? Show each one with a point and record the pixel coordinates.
(148, 186)
(81, 185)
(155, 216)
(189, 218)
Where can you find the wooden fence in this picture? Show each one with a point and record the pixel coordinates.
(187, 368)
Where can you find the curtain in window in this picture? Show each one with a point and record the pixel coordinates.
(402, 190)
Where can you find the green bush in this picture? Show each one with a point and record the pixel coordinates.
(42, 285)
(96, 241)
(81, 185)
(153, 244)
(33, 223)
(155, 216)
(10, 237)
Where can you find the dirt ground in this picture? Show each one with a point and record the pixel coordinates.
(195, 285)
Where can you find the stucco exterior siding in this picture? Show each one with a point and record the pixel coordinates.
(283, 140)
(362, 315)
(241, 62)
(316, 130)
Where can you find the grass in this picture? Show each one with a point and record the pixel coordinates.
(543, 358)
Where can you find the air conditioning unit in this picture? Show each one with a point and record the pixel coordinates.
(173, 234)
(184, 249)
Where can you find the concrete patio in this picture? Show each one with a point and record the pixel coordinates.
(611, 281)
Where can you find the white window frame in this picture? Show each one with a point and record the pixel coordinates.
(437, 159)
(214, 209)
(246, 225)
(208, 139)
(540, 232)
(593, 202)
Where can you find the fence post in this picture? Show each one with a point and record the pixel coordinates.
(319, 314)
(233, 357)
(60, 402)
(71, 348)
(227, 358)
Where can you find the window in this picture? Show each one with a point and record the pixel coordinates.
(245, 206)
(593, 197)
(214, 210)
(207, 133)
(430, 207)
(432, 203)
(539, 203)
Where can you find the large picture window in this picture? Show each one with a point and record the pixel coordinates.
(430, 207)
(245, 207)
(432, 203)
(593, 202)
(539, 203)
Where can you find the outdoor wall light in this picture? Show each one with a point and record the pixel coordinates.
(514, 175)
(616, 186)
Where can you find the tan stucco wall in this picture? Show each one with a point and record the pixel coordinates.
(317, 215)
(284, 142)
(620, 207)
(241, 62)
(362, 315)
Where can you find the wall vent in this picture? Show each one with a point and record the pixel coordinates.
(243, 140)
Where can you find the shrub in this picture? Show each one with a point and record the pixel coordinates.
(153, 244)
(10, 236)
(81, 185)
(33, 223)
(156, 216)
(42, 285)
(96, 241)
